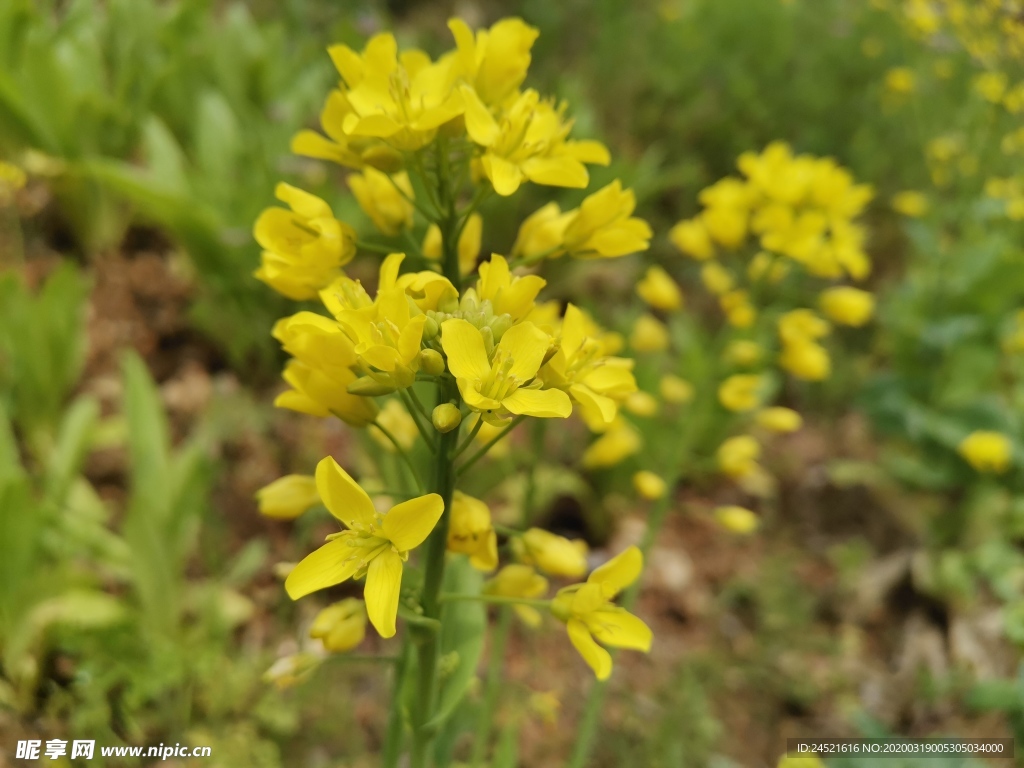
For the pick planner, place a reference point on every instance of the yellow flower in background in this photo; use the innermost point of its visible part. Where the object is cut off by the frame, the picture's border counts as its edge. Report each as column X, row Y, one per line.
column 743, row 353
column 900, row 81
column 385, row 199
column 470, row 240
column 303, row 248
column 802, row 325
column 779, row 419
column 500, row 387
column 726, row 225
column 471, row 533
column 341, row 626
column 604, row 225
column 649, row 335
column 847, row 306
column 542, row 233
column 12, row 178
column 736, row 519
column 738, row 456
column 494, row 62
column 764, row 266
column 717, row 278
column 739, row 312
column 659, row 290
column 551, row 553
column 528, row 142
column 642, row 404
column 674, row 389
column 987, row 451
column 338, row 147
column 590, row 616
column 649, row 485
column 991, row 86
column 806, row 360
column 374, row 544
column 618, row 442
column 910, row 203
column 741, row 392
column 509, row 294
column 396, row 420
column 288, row 497
column 545, row 704
column 517, row 580
column 597, row 382
column 692, row 238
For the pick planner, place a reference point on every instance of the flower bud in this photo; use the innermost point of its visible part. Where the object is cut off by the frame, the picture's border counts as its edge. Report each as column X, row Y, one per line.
column 659, row 290
column 288, row 497
column 847, row 306
column 446, row 417
column 551, row 553
column 649, row 485
column 737, row 519
column 778, row 419
column 431, row 362
column 367, row 386
column 674, row 389
column 642, row 404
column 341, row 626
column 987, row 451
column 430, row 328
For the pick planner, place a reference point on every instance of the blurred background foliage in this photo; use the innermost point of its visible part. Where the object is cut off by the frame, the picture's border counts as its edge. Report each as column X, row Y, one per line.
column 138, row 601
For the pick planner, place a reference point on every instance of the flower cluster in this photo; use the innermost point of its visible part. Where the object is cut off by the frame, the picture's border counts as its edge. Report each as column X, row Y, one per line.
column 415, row 132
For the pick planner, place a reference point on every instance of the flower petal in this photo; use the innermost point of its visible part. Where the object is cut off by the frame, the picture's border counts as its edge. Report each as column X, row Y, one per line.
column 342, row 495
column 383, row 587
column 505, row 176
column 527, row 344
column 464, row 346
column 597, row 657
column 542, row 403
column 619, row 628
column 619, row 572
column 334, row 562
column 408, row 524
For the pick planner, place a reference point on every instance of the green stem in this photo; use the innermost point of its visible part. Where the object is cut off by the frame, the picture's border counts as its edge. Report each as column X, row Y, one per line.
column 401, row 453
column 469, row 438
column 396, row 727
column 537, row 429
column 387, row 250
column 414, row 413
column 453, row 597
column 484, row 720
column 490, row 444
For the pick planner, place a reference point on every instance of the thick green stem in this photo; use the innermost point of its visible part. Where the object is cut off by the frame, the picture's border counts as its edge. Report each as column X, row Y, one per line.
column 485, row 720
column 396, row 730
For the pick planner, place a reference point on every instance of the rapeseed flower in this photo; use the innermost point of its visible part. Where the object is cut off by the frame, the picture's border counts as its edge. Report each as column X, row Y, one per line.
column 288, row 497
column 519, row 580
column 341, row 626
column 373, row 544
column 659, row 290
column 987, row 451
column 471, row 533
column 551, row 553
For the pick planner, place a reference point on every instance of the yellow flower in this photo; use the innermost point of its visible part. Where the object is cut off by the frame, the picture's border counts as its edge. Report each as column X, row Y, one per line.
column 739, row 312
column 304, row 248
column 528, row 142
column 743, row 353
column 987, row 451
column 604, row 226
column 674, row 389
column 396, row 420
column 597, row 382
column 288, row 497
column 649, row 485
column 693, row 239
column 779, row 419
column 590, row 616
column 523, row 581
column 12, row 178
column 991, row 86
column 717, row 278
column 659, row 290
column 642, row 404
column 649, row 334
column 374, row 544
column 494, row 62
column 551, row 553
column 471, row 533
column 341, row 626
column 542, row 233
column 726, row 225
column 910, row 203
column 737, row 519
column 470, row 240
column 338, row 147
column 900, row 80
column 399, row 99
column 499, row 387
column 619, row 442
column 741, row 392
column 806, row 360
column 509, row 294
column 847, row 306
column 381, row 198
column 802, row 325
column 738, row 456
column 321, row 373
